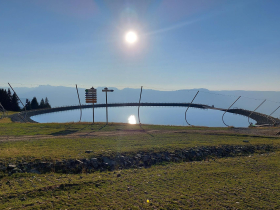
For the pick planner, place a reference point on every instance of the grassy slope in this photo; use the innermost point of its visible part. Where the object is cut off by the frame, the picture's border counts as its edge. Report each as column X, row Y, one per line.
column 62, row 148
column 230, row 183
column 234, row 183
column 19, row 129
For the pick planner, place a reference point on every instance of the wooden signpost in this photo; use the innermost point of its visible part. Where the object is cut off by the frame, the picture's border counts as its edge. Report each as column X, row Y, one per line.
column 106, row 90
column 91, row 97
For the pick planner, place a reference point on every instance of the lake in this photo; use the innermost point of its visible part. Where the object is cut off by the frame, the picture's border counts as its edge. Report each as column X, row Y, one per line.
column 149, row 115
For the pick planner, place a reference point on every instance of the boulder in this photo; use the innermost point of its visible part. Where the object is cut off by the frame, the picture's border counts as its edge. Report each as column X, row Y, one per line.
column 11, row 167
column 34, row 171
column 108, row 161
column 94, row 162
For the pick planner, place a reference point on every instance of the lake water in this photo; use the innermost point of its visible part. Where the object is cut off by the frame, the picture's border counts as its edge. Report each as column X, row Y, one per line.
column 149, row 115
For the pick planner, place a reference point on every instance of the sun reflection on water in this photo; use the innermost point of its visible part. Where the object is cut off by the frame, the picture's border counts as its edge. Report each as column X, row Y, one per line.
column 132, row 119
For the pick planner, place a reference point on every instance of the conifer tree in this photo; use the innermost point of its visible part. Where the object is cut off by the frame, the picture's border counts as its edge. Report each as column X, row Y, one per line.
column 42, row 104
column 47, row 105
column 27, row 104
column 9, row 101
column 34, row 103
column 14, row 103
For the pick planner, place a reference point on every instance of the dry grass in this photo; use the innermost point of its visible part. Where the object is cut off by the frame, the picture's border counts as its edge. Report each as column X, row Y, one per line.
column 5, row 120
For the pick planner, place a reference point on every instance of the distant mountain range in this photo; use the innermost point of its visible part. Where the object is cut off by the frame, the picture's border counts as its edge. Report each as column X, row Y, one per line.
column 62, row 96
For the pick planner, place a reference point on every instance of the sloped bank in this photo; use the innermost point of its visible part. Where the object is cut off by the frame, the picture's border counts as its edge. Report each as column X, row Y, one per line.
column 139, row 160
column 258, row 117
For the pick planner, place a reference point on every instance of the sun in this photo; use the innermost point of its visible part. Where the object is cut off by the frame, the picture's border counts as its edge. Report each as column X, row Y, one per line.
column 131, row 37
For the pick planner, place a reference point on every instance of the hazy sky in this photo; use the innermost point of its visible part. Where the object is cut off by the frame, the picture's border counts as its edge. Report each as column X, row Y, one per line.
column 213, row 44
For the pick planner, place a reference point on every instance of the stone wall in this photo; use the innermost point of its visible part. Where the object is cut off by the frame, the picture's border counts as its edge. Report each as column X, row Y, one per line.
column 139, row 160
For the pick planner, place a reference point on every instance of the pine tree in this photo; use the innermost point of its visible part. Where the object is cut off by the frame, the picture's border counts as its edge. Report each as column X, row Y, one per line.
column 42, row 104
column 6, row 99
column 9, row 100
column 27, row 105
column 34, row 103
column 9, row 93
column 14, row 103
column 3, row 98
column 47, row 105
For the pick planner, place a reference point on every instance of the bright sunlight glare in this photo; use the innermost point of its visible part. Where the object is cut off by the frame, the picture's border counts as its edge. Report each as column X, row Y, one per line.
column 132, row 119
column 131, row 37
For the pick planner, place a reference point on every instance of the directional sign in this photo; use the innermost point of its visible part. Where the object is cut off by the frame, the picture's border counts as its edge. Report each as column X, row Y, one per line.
column 90, row 90
column 107, row 90
column 90, row 99
column 91, row 96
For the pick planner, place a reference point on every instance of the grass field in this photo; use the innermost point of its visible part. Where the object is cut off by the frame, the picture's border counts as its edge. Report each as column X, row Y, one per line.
column 234, row 183
column 65, row 128
column 241, row 182
column 63, row 148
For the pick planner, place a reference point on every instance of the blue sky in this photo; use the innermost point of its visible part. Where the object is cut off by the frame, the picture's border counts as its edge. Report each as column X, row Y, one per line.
column 217, row 44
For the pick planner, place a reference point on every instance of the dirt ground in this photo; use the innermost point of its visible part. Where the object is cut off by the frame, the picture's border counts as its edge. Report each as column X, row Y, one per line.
column 262, row 131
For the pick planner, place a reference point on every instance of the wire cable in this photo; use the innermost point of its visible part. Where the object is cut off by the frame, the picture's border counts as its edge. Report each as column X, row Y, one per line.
column 139, row 106
column 79, row 103
column 189, row 107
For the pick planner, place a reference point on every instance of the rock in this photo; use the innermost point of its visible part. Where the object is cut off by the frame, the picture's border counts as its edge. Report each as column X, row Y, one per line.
column 94, row 163
column 85, row 161
column 122, row 159
column 107, row 161
column 23, row 199
column 16, row 170
column 93, row 160
column 34, row 171
column 246, row 141
column 78, row 162
column 146, row 158
column 43, row 164
column 58, row 163
column 88, row 151
column 128, row 163
column 118, row 175
column 138, row 156
column 11, row 167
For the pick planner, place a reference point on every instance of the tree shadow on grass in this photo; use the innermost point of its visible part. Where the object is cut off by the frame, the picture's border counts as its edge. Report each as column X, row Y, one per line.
column 146, row 131
column 103, row 126
column 64, row 132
